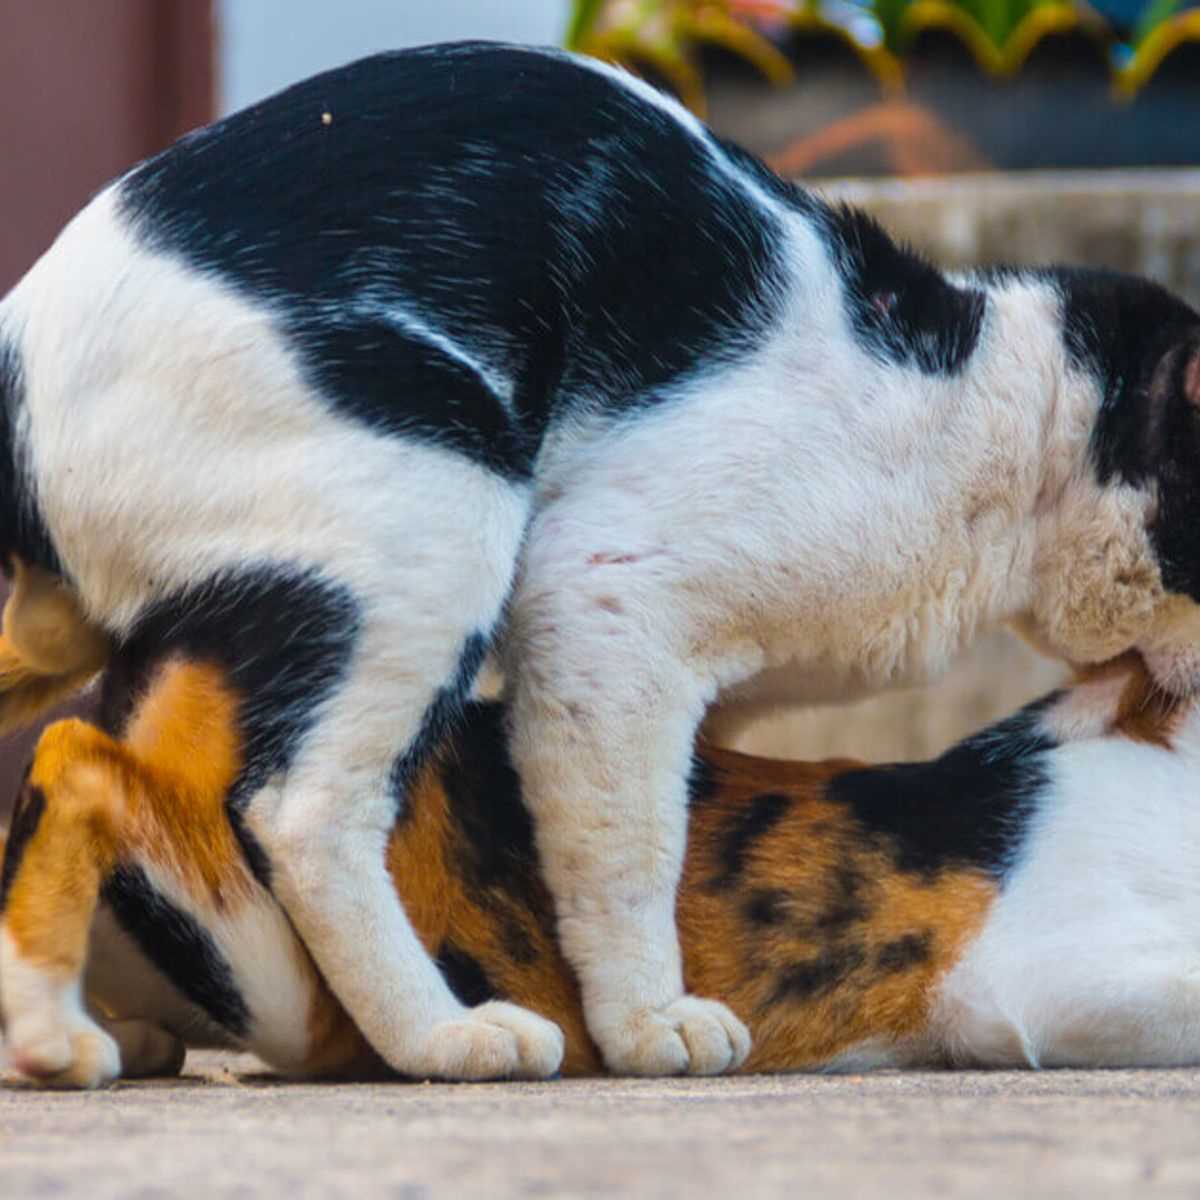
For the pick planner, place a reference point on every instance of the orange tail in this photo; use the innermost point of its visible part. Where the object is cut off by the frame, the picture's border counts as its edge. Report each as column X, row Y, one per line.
column 25, row 694
column 48, row 649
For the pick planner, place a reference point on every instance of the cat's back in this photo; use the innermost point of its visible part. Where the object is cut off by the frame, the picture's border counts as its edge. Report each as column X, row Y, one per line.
column 414, row 140
column 543, row 217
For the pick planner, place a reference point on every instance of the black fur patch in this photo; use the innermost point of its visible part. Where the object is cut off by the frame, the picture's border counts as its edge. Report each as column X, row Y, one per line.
column 703, row 782
column 252, row 849
column 745, row 828
column 1135, row 339
column 1175, row 530
column 464, row 976
column 811, row 978
column 492, row 846
column 284, row 636
column 766, row 907
column 178, row 946
column 844, row 902
column 969, row 808
column 903, row 309
column 440, row 718
column 31, row 804
column 572, row 241
column 910, row 950
column 22, row 530
column 358, row 362
column 495, row 854
column 518, row 944
column 1117, row 328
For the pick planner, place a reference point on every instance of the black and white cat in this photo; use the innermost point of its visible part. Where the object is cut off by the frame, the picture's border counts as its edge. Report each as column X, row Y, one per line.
column 478, row 338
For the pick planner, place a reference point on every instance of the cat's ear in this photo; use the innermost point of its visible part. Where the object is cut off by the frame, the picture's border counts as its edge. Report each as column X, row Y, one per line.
column 1191, row 375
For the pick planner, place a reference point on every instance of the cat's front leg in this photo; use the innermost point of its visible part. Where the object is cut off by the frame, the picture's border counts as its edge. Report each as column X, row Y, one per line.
column 606, row 698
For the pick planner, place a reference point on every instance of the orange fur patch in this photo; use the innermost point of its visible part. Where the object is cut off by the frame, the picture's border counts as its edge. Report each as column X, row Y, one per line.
column 184, row 753
column 422, row 858
column 821, row 943
column 53, row 894
column 160, row 794
column 1145, row 713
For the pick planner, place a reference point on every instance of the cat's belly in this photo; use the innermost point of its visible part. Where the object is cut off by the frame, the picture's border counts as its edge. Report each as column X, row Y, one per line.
column 804, row 681
column 793, row 685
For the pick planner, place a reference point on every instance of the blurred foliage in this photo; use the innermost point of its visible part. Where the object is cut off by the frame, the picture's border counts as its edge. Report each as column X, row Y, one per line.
column 664, row 35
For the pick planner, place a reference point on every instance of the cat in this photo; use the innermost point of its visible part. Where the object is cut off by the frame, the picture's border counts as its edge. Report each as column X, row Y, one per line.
column 482, row 346
column 1026, row 899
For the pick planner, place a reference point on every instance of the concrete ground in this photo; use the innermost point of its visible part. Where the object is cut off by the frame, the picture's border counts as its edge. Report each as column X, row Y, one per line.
column 226, row 1131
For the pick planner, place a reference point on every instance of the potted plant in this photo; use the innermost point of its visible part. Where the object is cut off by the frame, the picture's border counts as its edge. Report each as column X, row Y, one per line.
column 920, row 86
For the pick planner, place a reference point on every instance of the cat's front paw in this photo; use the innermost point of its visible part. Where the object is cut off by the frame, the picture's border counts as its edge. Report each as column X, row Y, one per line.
column 493, row 1041
column 80, row 1058
column 690, row 1036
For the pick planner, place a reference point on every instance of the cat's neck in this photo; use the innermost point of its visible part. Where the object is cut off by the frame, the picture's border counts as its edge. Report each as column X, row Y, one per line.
column 1085, row 573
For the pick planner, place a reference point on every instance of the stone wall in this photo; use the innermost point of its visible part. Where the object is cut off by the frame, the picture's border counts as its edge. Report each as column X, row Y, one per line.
column 1146, row 222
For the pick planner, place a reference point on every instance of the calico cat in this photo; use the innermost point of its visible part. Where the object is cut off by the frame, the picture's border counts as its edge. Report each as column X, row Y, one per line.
column 479, row 344
column 1027, row 899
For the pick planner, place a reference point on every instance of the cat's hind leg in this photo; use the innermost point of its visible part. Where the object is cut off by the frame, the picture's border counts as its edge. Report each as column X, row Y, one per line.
column 147, row 1050
column 75, row 820
column 424, row 608
column 62, row 843
column 131, row 916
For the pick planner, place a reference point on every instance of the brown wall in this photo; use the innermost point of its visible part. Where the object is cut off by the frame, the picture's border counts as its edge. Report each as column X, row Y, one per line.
column 87, row 88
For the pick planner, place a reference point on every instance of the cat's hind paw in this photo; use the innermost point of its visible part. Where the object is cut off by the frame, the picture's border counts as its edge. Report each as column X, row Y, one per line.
column 147, row 1050
column 82, row 1058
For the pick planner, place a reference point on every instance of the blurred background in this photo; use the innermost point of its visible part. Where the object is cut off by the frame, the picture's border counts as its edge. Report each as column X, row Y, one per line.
column 979, row 130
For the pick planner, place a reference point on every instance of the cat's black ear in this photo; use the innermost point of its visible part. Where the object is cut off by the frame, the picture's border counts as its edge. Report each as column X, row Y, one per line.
column 1191, row 375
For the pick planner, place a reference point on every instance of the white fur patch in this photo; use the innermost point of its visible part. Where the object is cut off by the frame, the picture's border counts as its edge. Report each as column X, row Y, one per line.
column 1091, row 954
column 48, row 1033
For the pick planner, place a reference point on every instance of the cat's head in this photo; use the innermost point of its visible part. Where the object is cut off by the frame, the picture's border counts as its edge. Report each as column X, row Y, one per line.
column 1123, row 570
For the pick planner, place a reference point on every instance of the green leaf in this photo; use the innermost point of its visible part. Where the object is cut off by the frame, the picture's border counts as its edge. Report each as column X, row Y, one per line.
column 890, row 15
column 1153, row 15
column 583, row 17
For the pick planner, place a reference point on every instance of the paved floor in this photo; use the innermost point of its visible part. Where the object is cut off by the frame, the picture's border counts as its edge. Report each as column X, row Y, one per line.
column 224, row 1131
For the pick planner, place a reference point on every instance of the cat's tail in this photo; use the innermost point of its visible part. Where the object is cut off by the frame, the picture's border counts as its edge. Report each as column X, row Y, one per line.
column 25, row 695
column 48, row 648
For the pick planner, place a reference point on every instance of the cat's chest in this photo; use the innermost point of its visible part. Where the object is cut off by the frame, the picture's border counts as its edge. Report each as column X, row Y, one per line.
column 889, row 624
